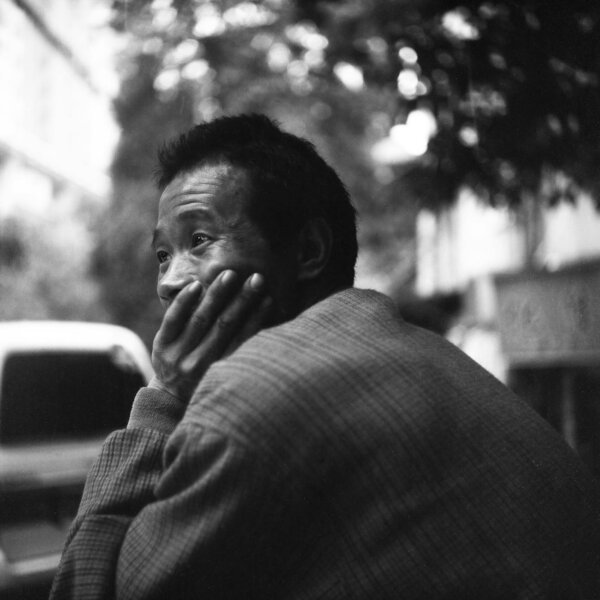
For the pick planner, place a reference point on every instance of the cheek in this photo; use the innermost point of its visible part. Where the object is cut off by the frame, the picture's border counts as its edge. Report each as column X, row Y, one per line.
column 214, row 261
column 244, row 257
column 208, row 264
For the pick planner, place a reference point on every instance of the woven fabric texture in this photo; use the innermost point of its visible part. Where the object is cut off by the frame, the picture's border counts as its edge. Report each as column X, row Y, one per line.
column 342, row 455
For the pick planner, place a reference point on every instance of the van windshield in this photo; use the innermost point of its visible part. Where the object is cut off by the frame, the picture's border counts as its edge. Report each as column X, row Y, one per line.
column 55, row 395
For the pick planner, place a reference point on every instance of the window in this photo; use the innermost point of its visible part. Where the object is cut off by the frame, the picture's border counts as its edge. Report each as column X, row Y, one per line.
column 50, row 396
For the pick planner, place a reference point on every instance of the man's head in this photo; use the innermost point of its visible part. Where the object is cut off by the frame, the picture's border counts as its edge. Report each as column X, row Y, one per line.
column 270, row 189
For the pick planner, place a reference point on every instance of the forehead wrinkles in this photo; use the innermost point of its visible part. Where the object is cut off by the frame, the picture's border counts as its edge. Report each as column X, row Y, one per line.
column 212, row 178
column 217, row 192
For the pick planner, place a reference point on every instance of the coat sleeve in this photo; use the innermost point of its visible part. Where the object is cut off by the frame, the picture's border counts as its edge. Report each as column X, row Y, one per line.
column 163, row 516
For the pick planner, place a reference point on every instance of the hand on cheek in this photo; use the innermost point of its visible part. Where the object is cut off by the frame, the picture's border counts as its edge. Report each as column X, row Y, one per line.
column 198, row 330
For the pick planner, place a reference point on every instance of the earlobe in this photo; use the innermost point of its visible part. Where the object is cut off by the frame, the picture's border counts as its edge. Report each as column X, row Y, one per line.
column 314, row 249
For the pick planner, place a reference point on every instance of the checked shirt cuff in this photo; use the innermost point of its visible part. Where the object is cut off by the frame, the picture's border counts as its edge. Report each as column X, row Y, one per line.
column 157, row 410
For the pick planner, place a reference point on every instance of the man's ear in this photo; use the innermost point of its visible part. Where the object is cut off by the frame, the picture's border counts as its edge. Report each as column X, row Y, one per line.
column 314, row 249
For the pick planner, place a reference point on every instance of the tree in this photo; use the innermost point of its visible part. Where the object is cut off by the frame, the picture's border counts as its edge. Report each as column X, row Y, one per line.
column 44, row 277
column 514, row 88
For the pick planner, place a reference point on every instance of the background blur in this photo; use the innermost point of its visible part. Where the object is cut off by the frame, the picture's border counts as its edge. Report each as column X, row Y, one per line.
column 467, row 132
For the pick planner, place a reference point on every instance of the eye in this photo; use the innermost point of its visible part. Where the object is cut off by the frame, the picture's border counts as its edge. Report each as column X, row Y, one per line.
column 199, row 238
column 162, row 256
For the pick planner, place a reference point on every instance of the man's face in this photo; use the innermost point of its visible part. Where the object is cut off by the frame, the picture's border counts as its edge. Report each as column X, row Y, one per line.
column 203, row 228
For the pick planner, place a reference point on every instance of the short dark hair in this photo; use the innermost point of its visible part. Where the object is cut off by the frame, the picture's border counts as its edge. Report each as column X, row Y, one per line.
column 292, row 184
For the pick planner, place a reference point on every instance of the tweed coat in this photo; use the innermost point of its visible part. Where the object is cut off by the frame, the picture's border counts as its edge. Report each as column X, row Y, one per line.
column 342, row 455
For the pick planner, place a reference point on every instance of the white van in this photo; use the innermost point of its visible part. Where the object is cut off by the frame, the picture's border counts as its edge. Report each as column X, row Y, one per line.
column 63, row 387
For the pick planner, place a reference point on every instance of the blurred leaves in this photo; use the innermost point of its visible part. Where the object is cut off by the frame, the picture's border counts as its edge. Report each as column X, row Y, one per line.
column 46, row 277
column 514, row 87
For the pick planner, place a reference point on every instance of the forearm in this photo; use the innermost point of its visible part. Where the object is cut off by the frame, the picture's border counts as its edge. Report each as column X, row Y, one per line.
column 177, row 521
column 119, row 485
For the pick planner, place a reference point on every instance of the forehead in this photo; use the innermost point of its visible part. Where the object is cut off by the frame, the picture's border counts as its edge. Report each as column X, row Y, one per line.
column 219, row 190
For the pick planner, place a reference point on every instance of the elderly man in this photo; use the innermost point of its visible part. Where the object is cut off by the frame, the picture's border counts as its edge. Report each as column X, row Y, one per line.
column 299, row 439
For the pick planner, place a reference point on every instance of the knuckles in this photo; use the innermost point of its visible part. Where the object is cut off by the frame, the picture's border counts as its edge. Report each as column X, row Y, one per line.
column 199, row 321
column 225, row 322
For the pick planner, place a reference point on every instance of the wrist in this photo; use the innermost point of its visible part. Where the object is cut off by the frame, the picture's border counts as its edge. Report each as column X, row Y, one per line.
column 157, row 384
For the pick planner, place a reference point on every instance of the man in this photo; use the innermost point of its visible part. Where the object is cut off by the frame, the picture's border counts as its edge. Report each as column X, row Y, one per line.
column 299, row 440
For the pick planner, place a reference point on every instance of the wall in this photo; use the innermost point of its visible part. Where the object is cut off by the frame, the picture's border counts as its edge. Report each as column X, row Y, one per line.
column 57, row 135
column 464, row 248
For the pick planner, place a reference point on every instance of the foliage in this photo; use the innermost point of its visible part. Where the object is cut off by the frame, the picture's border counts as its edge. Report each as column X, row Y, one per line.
column 44, row 277
column 514, row 87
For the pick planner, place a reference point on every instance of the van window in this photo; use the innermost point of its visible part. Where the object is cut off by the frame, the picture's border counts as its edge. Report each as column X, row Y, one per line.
column 50, row 396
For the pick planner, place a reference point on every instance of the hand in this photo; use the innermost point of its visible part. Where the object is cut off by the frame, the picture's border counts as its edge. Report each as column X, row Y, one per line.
column 196, row 332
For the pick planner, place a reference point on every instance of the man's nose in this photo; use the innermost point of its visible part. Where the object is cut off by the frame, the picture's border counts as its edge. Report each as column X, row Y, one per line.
column 177, row 276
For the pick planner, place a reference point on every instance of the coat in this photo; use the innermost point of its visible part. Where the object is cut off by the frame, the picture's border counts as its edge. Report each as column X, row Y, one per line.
column 342, row 455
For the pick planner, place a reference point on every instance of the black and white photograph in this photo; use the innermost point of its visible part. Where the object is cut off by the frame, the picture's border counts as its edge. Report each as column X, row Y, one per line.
column 299, row 300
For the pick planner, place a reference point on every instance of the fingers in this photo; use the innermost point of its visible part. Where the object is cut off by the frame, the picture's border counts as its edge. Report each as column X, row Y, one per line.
column 218, row 294
column 243, row 316
column 255, row 321
column 177, row 315
column 197, row 331
column 222, row 310
column 190, row 315
column 225, row 311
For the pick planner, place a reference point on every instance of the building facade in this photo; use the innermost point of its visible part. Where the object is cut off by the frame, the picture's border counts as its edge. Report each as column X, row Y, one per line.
column 530, row 283
column 57, row 135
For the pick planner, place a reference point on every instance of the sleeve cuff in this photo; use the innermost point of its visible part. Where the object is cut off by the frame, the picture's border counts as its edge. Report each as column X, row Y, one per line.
column 157, row 410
